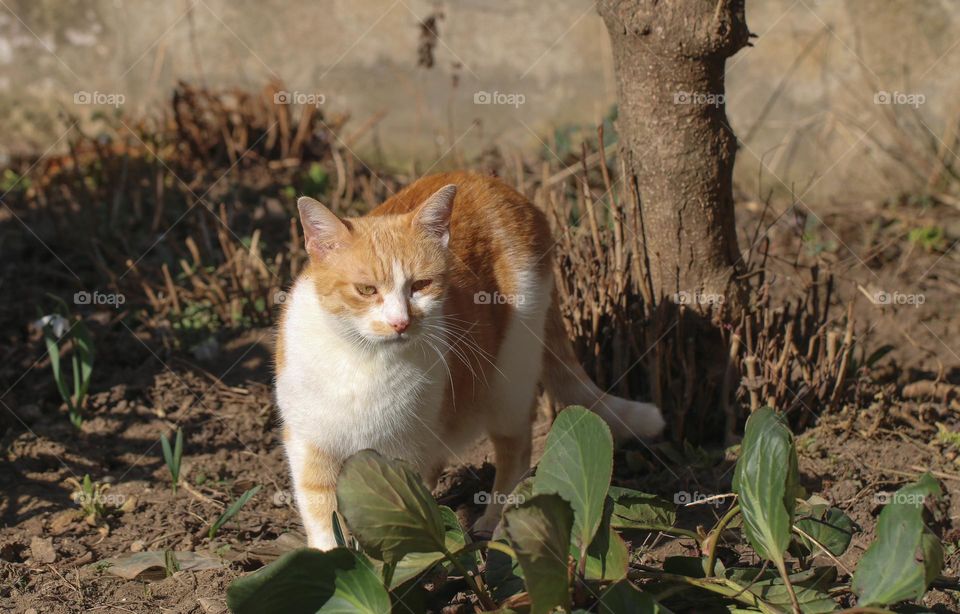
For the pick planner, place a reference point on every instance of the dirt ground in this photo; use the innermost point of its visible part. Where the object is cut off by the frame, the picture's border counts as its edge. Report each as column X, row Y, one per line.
column 52, row 561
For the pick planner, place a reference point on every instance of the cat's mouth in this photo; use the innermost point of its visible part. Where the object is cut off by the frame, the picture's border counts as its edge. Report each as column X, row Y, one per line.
column 394, row 339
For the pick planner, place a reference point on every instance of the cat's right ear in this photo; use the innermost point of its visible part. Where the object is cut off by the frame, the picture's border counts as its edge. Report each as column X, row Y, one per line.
column 323, row 231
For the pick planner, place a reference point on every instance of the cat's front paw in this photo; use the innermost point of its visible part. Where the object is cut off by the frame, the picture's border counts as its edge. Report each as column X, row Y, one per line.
column 322, row 540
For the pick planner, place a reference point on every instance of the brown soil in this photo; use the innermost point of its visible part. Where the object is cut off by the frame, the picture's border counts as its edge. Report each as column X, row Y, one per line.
column 231, row 444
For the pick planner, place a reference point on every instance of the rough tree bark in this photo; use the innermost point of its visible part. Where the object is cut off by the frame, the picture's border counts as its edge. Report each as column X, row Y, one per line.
column 679, row 151
column 675, row 139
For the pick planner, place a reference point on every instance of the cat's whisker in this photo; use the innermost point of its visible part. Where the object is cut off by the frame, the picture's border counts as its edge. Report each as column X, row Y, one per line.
column 467, row 342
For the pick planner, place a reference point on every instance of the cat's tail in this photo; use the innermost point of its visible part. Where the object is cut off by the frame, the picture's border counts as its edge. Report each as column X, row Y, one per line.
column 566, row 383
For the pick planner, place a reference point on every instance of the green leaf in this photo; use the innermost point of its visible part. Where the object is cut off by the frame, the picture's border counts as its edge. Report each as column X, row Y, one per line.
column 607, row 556
column 825, row 524
column 692, row 566
column 624, row 598
column 416, row 563
column 387, row 508
column 167, row 453
column 178, row 451
column 307, row 581
column 232, row 511
column 539, row 530
column 53, row 351
column 503, row 573
column 83, row 346
column 811, row 587
column 577, row 464
column 906, row 556
column 639, row 510
column 338, row 531
column 766, row 482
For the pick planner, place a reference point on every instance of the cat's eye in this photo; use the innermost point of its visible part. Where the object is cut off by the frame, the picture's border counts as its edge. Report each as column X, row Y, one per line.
column 420, row 284
column 366, row 290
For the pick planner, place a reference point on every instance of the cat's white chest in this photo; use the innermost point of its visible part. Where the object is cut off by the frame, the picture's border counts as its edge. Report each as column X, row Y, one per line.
column 343, row 399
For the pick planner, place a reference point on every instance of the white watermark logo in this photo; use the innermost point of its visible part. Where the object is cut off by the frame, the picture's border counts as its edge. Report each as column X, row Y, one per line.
column 304, row 98
column 110, row 499
column 498, row 298
column 697, row 298
column 497, row 498
column 898, row 298
column 911, row 99
column 683, row 497
column 99, row 298
column 100, row 98
column 884, row 498
column 699, row 98
column 282, row 498
column 513, row 99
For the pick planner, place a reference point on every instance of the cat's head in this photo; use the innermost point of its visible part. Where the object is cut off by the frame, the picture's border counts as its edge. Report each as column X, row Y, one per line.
column 382, row 277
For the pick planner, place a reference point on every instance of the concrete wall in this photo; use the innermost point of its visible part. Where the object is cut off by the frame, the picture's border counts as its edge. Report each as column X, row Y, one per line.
column 810, row 80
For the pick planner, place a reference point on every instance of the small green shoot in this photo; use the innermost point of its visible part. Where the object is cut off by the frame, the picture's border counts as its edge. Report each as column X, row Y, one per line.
column 232, row 511
column 172, row 457
column 89, row 495
column 930, row 238
column 170, row 563
column 57, row 331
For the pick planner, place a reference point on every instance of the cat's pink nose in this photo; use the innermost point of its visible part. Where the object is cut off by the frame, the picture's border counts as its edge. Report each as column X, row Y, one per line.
column 400, row 325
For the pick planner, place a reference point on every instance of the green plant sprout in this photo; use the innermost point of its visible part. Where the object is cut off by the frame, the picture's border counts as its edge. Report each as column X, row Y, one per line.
column 57, row 332
column 231, row 511
column 89, row 495
column 172, row 457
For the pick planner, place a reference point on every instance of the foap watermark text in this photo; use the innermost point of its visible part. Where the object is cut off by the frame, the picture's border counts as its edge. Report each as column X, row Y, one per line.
column 497, row 498
column 112, row 299
column 498, row 298
column 904, row 98
column 513, row 99
column 896, row 299
column 112, row 99
column 312, row 99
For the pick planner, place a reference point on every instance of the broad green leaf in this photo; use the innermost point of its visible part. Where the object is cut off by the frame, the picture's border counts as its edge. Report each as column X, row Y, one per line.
column 766, row 481
column 607, row 556
column 624, row 598
column 811, row 588
column 639, row 510
column 503, row 574
column 906, row 556
column 306, row 581
column 387, row 508
column 827, row 525
column 416, row 563
column 539, row 530
column 577, row 464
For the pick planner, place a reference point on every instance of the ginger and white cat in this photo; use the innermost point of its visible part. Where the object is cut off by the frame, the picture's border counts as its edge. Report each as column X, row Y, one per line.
column 420, row 327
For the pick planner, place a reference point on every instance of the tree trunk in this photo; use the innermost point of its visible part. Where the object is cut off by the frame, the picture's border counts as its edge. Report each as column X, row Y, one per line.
column 679, row 152
column 676, row 141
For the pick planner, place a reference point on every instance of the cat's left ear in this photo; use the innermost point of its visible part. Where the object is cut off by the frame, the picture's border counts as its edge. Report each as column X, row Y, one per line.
column 433, row 216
